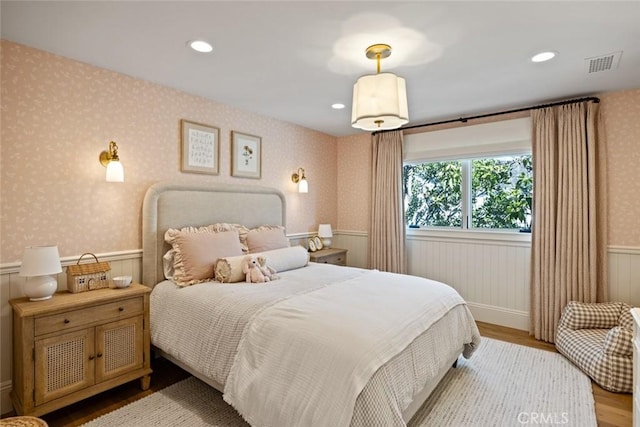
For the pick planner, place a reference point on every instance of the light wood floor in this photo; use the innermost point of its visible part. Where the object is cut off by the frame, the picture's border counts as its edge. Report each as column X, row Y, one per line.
column 612, row 409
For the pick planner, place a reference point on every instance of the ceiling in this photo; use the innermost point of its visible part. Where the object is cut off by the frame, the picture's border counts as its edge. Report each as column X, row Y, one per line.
column 292, row 60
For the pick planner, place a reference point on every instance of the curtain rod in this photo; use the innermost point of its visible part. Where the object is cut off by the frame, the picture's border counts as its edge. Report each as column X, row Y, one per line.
column 499, row 113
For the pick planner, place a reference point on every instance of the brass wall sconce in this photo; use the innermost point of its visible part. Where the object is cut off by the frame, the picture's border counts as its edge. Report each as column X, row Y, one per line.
column 299, row 178
column 110, row 160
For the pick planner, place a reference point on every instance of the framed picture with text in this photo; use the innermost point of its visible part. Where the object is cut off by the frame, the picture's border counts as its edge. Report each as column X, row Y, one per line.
column 246, row 155
column 200, row 148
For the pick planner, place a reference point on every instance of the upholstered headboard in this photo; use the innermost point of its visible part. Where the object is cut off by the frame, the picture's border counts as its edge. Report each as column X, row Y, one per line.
column 171, row 205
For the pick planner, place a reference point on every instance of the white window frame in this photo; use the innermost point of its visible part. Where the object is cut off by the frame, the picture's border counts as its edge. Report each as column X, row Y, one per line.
column 488, row 140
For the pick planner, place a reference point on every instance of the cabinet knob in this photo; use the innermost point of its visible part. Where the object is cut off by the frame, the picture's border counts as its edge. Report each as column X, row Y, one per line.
column 91, row 357
column 67, row 321
column 120, row 308
column 99, row 354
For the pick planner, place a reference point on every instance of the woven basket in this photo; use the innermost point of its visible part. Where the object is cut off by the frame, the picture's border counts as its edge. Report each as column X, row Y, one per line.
column 86, row 277
column 22, row 422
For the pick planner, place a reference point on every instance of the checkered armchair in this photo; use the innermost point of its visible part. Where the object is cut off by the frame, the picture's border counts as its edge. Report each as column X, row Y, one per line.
column 597, row 337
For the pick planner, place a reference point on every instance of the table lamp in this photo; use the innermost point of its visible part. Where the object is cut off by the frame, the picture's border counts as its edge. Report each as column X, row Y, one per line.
column 324, row 232
column 38, row 265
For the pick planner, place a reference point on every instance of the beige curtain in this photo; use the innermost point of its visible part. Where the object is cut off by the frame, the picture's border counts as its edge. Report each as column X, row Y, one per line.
column 387, row 236
column 568, row 242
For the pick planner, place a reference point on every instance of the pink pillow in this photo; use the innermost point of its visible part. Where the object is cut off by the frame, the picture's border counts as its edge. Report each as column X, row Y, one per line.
column 196, row 253
column 267, row 238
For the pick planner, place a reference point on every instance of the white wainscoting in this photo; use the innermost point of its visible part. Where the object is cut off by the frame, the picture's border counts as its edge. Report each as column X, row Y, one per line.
column 492, row 274
column 624, row 274
column 357, row 244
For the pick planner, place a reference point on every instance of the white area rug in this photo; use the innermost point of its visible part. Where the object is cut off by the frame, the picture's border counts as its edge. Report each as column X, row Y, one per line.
column 502, row 384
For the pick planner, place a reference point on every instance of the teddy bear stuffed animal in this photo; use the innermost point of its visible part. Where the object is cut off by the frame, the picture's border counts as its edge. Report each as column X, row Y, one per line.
column 251, row 269
column 267, row 270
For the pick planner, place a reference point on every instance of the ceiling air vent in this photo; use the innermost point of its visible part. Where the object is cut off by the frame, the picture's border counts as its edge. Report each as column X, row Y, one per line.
column 606, row 62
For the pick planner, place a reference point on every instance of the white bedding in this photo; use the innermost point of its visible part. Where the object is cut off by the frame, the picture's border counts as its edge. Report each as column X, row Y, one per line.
column 304, row 361
column 202, row 325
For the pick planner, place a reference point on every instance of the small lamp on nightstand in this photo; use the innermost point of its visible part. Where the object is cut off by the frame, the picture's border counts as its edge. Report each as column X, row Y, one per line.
column 324, row 232
column 38, row 264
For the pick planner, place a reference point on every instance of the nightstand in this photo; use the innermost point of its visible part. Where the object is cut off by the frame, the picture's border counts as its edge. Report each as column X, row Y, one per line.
column 334, row 256
column 76, row 345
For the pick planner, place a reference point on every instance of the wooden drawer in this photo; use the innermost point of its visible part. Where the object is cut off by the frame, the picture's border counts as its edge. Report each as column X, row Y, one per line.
column 337, row 259
column 85, row 316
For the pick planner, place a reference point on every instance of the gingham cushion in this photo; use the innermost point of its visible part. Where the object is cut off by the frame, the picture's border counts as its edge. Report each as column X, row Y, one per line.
column 619, row 342
column 626, row 319
column 605, row 354
column 580, row 315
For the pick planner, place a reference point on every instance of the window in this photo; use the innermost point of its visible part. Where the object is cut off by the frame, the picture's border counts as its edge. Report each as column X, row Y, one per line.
column 474, row 177
column 433, row 194
column 488, row 193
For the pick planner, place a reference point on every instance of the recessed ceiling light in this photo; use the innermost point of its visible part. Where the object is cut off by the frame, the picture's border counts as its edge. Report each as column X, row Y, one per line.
column 200, row 46
column 543, row 56
column 337, row 106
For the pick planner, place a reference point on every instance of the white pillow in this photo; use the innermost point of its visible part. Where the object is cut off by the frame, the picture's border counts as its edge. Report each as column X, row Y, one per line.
column 167, row 264
column 229, row 269
column 287, row 258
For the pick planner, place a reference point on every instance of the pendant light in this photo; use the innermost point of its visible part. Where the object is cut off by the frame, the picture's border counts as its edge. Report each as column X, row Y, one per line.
column 379, row 100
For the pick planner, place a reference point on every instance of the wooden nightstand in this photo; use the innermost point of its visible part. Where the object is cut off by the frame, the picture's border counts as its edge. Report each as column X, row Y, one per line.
column 335, row 256
column 77, row 345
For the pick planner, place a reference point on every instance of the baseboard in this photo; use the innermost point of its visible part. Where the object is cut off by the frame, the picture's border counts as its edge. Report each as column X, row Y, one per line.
column 500, row 316
column 5, row 400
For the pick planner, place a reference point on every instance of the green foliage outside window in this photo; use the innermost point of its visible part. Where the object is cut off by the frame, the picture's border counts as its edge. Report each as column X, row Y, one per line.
column 433, row 195
column 501, row 193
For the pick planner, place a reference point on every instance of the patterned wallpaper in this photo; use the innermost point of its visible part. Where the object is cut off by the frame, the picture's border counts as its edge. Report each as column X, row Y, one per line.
column 620, row 112
column 59, row 114
column 621, row 116
column 354, row 182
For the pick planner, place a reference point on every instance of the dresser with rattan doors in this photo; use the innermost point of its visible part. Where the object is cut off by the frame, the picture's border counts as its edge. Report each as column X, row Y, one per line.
column 76, row 345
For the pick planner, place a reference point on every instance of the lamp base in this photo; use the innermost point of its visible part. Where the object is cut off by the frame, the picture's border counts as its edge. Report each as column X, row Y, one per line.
column 40, row 288
column 326, row 242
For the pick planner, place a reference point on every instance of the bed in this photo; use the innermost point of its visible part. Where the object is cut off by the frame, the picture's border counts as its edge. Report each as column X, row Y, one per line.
column 239, row 339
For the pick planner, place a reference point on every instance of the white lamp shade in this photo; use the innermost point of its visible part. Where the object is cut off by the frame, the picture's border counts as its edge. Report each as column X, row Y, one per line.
column 324, row 230
column 115, row 171
column 325, row 233
column 303, row 186
column 379, row 102
column 40, row 261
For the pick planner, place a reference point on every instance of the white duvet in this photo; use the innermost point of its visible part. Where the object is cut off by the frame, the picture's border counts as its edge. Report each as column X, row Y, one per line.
column 210, row 329
column 304, row 361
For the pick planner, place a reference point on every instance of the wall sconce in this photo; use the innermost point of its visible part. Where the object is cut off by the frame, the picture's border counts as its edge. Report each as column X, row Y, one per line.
column 39, row 263
column 110, row 160
column 301, row 180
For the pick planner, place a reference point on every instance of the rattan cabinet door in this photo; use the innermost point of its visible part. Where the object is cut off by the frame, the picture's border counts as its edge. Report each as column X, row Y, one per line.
column 119, row 348
column 64, row 364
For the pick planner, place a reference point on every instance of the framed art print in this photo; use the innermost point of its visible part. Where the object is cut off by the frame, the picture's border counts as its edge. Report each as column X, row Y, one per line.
column 200, row 148
column 246, row 155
